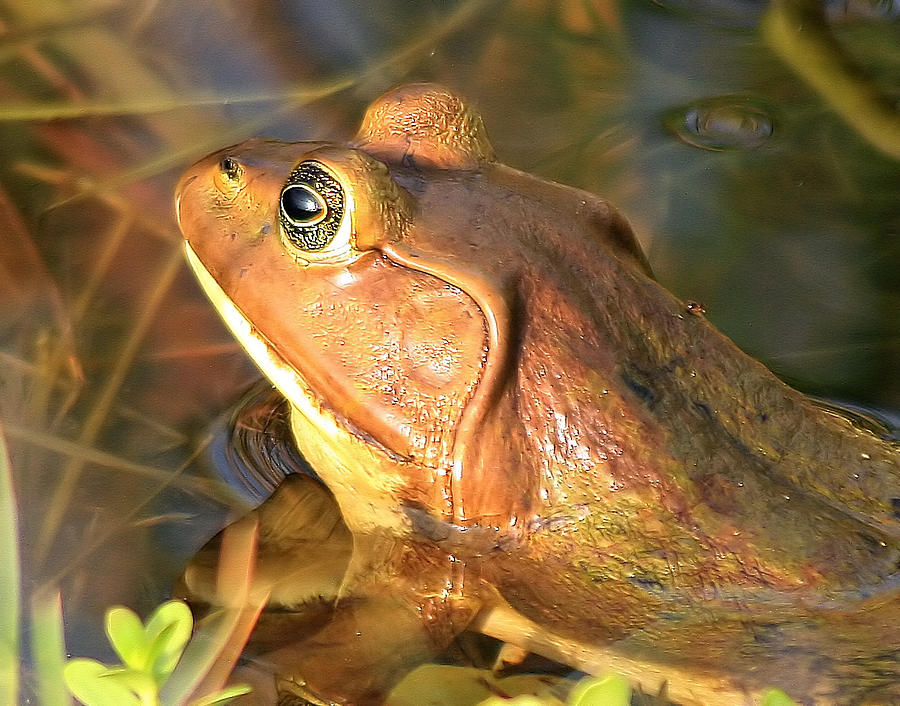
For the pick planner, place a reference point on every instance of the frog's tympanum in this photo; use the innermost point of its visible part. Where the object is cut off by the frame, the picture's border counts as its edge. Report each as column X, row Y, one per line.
column 525, row 434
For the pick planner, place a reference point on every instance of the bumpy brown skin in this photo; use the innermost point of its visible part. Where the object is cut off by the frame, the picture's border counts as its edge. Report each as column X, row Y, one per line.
column 623, row 474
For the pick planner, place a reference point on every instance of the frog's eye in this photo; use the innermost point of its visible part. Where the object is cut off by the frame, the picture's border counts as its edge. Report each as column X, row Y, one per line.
column 312, row 213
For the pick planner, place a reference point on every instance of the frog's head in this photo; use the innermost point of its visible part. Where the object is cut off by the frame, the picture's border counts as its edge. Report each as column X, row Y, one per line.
column 303, row 248
column 387, row 288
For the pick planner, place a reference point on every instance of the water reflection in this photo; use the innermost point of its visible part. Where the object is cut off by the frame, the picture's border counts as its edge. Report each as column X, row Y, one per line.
column 247, row 450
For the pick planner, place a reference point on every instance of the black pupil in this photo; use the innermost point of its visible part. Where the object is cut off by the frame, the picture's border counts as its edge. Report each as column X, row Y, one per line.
column 300, row 204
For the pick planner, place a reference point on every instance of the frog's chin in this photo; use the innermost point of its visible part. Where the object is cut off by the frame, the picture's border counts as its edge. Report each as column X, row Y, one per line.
column 364, row 480
column 286, row 379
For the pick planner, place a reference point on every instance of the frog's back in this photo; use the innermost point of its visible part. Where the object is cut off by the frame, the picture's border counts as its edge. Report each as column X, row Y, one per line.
column 589, row 310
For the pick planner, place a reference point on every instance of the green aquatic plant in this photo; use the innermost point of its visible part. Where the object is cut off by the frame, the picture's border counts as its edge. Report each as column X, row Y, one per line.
column 150, row 653
column 161, row 662
column 776, row 697
column 610, row 690
column 9, row 582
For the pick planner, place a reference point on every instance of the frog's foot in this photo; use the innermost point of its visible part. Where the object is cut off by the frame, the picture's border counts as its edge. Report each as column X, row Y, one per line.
column 364, row 647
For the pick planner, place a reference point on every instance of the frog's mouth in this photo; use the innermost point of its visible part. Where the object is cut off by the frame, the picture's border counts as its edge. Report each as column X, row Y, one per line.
column 286, row 379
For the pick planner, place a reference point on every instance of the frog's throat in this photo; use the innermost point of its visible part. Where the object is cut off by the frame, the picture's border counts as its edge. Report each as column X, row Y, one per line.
column 351, row 469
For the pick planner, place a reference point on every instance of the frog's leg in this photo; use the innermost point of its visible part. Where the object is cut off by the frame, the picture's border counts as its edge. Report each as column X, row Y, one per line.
column 302, row 549
column 397, row 607
column 348, row 616
column 504, row 623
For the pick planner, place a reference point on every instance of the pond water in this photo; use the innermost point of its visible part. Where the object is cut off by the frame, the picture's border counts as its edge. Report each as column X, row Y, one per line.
column 755, row 191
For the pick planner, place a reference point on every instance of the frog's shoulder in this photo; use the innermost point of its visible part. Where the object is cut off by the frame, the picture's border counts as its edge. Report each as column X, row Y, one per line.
column 579, row 224
column 616, row 233
column 424, row 125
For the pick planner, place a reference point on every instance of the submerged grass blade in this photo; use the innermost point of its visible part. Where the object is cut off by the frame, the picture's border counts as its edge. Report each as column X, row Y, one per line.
column 220, row 638
column 48, row 649
column 67, row 110
column 799, row 33
column 9, row 582
column 97, row 417
column 91, row 455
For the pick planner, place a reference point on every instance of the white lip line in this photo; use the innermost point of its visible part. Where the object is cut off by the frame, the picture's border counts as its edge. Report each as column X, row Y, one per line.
column 286, row 379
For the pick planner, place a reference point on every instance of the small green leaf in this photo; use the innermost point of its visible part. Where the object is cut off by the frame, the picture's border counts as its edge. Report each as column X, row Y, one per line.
column 126, row 634
column 168, row 631
column 136, row 680
column 776, row 697
column 611, row 690
column 172, row 613
column 90, row 682
column 161, row 660
column 223, row 696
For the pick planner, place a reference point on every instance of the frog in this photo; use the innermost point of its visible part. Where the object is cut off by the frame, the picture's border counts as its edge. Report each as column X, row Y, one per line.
column 521, row 432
